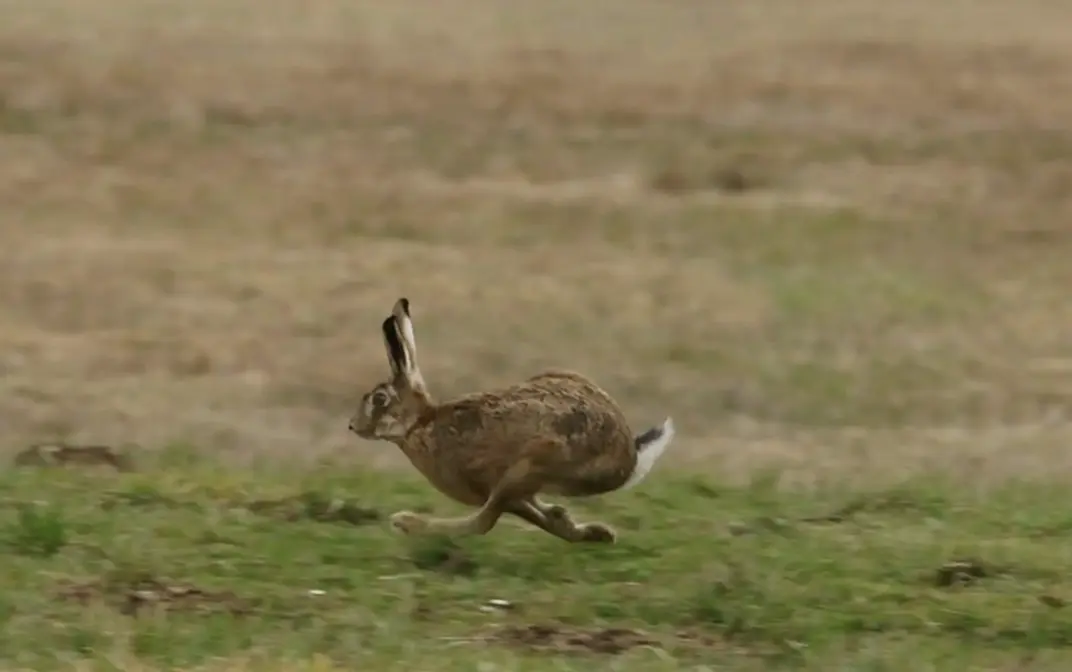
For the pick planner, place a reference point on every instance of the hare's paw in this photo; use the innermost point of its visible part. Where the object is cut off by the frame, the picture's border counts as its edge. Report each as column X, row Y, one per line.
column 597, row 533
column 408, row 522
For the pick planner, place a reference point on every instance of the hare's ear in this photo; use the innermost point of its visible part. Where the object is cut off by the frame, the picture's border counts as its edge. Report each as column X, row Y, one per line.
column 404, row 324
column 396, row 353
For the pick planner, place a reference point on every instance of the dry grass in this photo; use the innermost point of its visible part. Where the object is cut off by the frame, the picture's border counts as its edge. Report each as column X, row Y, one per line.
column 834, row 240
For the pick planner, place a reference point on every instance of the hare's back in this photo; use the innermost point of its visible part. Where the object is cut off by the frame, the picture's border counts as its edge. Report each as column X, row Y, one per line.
column 560, row 404
column 553, row 404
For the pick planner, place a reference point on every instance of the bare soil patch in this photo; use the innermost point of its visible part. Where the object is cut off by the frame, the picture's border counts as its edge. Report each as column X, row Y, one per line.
column 133, row 596
column 558, row 638
column 59, row 454
column 312, row 506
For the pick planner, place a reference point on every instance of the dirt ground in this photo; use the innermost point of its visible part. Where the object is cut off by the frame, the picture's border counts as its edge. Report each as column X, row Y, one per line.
column 834, row 239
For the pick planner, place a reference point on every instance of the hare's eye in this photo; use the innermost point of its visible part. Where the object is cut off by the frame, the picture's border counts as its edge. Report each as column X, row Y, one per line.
column 379, row 398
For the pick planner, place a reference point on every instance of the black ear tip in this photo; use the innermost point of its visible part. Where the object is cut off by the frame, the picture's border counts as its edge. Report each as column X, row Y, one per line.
column 405, row 305
column 394, row 345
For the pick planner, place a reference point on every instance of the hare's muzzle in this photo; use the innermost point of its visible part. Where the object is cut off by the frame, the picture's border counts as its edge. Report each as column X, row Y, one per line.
column 362, row 428
column 355, row 426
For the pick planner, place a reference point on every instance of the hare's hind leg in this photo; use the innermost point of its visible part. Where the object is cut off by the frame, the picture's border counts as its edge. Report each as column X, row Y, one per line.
column 554, row 519
column 557, row 523
column 595, row 532
column 517, row 483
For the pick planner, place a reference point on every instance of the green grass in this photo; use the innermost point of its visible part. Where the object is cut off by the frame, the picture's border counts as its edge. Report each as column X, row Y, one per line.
column 264, row 565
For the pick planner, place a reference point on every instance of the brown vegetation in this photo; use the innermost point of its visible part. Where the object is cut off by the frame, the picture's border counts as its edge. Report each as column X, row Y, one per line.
column 835, row 238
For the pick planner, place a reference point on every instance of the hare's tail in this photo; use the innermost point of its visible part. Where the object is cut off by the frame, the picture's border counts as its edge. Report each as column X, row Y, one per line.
column 650, row 445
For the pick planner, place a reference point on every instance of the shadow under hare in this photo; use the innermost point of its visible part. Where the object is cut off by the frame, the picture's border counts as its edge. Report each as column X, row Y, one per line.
column 556, row 433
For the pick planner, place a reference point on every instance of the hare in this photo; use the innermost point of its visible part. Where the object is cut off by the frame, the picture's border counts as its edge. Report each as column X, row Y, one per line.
column 556, row 433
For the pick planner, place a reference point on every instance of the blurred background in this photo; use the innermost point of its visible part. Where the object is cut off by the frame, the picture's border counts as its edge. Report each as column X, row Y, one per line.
column 831, row 236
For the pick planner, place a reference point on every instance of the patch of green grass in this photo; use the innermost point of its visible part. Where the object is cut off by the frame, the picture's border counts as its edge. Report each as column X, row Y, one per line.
column 190, row 565
column 37, row 530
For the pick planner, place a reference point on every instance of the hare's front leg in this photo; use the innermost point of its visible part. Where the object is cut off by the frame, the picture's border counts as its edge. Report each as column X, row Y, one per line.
column 514, row 485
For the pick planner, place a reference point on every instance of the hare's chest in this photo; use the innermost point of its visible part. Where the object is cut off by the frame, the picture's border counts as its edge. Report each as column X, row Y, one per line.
column 451, row 479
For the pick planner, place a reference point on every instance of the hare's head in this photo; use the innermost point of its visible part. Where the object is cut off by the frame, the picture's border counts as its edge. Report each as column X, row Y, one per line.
column 390, row 409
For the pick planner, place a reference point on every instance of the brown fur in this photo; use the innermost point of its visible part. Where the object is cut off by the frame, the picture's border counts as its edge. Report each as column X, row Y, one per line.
column 557, row 432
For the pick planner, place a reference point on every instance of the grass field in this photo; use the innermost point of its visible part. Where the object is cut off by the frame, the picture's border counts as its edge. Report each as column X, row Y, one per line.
column 834, row 244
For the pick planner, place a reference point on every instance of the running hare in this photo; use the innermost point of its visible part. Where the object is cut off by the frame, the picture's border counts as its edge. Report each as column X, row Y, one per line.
column 556, row 433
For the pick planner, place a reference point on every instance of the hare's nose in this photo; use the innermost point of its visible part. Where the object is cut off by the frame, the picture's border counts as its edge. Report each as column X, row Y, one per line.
column 353, row 426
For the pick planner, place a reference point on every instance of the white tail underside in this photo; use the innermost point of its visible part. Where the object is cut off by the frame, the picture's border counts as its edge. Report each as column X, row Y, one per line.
column 650, row 446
